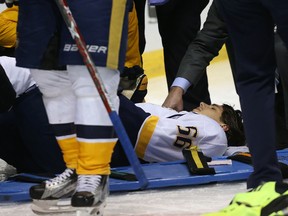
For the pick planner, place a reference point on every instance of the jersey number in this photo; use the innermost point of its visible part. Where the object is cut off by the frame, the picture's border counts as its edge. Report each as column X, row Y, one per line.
column 184, row 137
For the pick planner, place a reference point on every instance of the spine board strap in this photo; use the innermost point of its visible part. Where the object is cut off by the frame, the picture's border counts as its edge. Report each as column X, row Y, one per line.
column 197, row 162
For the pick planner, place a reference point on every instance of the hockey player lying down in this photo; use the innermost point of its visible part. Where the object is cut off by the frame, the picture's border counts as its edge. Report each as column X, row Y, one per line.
column 159, row 134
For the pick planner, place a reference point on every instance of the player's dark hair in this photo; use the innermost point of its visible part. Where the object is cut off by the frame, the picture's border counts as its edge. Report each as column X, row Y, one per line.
column 233, row 118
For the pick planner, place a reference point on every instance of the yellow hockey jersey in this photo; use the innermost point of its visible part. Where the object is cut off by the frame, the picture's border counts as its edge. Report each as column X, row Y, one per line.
column 8, row 24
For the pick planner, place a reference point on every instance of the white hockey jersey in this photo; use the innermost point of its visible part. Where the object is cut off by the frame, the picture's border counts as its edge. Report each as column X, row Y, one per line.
column 166, row 132
column 20, row 78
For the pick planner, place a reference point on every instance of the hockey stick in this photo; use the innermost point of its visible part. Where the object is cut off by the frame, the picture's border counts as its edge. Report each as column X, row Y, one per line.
column 118, row 126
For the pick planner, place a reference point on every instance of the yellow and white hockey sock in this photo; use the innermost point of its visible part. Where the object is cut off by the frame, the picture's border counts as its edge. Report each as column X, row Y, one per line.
column 95, row 157
column 70, row 147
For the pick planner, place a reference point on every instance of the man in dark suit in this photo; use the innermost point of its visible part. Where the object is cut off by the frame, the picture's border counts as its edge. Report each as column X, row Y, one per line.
column 250, row 26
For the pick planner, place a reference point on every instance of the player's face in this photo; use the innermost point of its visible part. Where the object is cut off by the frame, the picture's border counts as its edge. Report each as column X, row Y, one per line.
column 213, row 111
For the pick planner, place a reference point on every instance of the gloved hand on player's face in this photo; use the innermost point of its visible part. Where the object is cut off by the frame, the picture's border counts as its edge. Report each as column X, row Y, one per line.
column 9, row 3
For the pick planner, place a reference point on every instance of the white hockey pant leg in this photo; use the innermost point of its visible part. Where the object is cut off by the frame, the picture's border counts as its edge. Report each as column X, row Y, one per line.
column 90, row 109
column 57, row 93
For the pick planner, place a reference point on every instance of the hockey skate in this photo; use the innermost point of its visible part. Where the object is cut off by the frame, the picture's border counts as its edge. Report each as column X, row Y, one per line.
column 54, row 195
column 61, row 186
column 63, row 207
column 91, row 194
column 6, row 170
column 89, row 199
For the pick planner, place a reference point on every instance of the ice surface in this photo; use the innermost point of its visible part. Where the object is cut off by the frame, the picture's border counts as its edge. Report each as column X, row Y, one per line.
column 182, row 201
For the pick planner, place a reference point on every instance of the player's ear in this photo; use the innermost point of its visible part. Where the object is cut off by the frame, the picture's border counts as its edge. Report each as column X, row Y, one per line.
column 225, row 127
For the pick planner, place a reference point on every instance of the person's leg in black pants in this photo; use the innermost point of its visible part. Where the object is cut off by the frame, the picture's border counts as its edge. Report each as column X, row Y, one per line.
column 132, row 118
column 140, row 10
column 251, row 29
column 12, row 150
column 37, row 136
column 178, row 23
column 282, row 68
column 281, row 129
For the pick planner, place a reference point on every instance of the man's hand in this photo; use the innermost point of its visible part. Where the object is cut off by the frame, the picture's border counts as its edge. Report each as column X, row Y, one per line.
column 9, row 3
column 174, row 99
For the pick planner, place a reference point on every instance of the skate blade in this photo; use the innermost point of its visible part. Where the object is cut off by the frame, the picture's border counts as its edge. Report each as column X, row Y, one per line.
column 63, row 207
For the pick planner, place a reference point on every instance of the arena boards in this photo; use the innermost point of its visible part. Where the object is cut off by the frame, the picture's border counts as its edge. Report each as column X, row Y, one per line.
column 159, row 175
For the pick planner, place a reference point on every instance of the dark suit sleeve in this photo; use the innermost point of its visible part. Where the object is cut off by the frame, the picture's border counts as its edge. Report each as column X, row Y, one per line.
column 204, row 47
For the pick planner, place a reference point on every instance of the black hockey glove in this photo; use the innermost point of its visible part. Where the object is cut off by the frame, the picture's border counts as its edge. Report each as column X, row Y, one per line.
column 9, row 3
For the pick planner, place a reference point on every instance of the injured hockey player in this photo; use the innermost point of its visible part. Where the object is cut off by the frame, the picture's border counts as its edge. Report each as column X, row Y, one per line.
column 160, row 134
